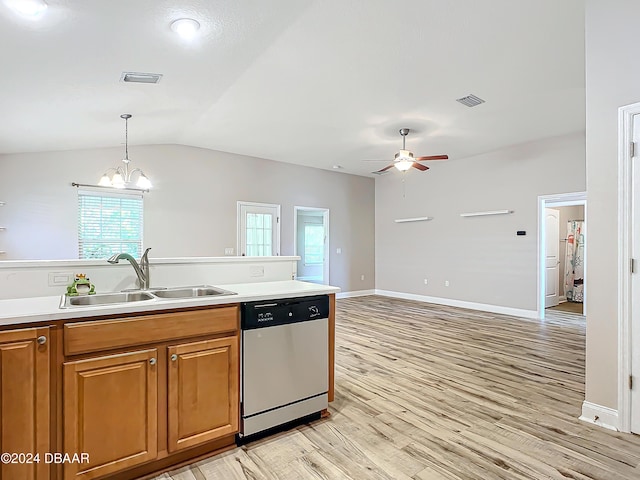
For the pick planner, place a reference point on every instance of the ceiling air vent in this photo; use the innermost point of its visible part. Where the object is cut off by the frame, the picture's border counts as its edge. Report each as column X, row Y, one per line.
column 136, row 77
column 470, row 100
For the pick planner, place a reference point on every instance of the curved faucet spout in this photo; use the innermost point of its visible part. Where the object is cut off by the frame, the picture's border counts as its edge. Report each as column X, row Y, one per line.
column 142, row 269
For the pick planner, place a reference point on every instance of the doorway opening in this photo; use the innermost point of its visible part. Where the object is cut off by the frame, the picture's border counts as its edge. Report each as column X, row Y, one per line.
column 562, row 252
column 311, row 243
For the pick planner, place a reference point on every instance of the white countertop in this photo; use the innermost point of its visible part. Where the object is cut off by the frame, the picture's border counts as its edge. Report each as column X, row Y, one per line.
column 15, row 312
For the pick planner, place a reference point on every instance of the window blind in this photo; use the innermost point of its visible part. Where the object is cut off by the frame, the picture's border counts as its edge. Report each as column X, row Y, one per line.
column 109, row 223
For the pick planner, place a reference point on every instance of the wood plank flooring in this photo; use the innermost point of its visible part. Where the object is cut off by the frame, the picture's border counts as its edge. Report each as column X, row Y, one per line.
column 433, row 392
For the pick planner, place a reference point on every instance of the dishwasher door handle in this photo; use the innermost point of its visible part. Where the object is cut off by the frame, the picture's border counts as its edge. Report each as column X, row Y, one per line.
column 265, row 305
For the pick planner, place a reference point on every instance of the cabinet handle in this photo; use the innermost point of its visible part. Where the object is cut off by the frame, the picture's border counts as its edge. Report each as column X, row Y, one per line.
column 174, row 357
column 152, row 361
column 42, row 340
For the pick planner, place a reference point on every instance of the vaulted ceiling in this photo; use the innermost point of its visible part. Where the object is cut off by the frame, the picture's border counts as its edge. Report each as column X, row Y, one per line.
column 313, row 82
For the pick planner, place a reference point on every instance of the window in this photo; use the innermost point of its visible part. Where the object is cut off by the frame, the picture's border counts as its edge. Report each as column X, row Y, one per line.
column 109, row 223
column 313, row 244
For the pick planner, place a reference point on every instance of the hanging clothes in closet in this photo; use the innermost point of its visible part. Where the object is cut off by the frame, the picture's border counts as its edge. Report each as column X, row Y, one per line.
column 574, row 262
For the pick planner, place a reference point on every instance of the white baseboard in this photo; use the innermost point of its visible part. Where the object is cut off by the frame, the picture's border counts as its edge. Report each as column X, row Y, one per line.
column 357, row 293
column 485, row 307
column 598, row 415
column 562, row 299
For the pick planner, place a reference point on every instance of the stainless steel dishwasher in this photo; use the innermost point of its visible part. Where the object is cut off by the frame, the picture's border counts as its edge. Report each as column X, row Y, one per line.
column 284, row 362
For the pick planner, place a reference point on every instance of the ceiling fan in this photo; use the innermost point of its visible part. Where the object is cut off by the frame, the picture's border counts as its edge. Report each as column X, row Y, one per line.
column 404, row 159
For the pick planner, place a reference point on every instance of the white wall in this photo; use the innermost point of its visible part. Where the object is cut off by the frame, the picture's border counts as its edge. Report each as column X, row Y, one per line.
column 191, row 210
column 613, row 80
column 481, row 257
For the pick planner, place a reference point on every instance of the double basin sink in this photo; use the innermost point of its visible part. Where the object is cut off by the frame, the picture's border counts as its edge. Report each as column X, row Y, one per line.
column 142, row 295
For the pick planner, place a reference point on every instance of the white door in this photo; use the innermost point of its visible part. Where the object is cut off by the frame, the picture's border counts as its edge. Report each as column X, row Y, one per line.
column 635, row 281
column 552, row 274
column 258, row 229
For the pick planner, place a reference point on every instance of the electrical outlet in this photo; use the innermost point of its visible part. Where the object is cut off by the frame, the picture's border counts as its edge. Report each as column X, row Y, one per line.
column 338, row 251
column 60, row 278
column 228, row 251
column 426, row 281
column 446, row 283
column 256, row 271
column 361, row 277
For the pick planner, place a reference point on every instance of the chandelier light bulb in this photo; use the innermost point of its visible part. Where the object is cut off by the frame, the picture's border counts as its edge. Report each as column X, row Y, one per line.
column 143, row 182
column 117, row 180
column 105, row 181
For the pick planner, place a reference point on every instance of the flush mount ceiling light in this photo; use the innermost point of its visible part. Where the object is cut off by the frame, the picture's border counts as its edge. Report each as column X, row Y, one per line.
column 185, row 27
column 28, row 8
column 121, row 177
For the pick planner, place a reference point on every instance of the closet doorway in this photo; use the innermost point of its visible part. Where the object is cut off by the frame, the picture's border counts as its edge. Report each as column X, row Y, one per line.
column 562, row 286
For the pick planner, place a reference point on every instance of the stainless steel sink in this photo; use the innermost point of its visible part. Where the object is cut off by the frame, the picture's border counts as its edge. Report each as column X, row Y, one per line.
column 104, row 299
column 143, row 295
column 191, row 292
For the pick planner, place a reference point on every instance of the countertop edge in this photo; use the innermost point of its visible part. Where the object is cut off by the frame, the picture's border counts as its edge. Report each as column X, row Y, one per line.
column 16, row 312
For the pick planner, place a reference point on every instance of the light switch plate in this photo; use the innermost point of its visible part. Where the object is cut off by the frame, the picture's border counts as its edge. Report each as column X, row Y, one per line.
column 60, row 278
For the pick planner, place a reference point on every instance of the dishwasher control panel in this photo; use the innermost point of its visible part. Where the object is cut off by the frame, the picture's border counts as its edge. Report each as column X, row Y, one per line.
column 284, row 311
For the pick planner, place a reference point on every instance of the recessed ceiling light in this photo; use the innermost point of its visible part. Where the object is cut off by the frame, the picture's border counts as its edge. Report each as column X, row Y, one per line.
column 185, row 27
column 28, row 8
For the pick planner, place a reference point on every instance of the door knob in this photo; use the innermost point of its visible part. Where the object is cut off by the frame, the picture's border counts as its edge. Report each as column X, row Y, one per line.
column 152, row 361
column 42, row 340
column 174, row 357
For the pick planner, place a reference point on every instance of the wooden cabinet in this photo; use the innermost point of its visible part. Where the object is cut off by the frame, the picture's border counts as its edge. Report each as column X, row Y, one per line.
column 202, row 392
column 141, row 389
column 110, row 412
column 24, row 401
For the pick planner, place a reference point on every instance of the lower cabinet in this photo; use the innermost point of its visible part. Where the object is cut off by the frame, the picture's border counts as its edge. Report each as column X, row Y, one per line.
column 203, row 389
column 174, row 387
column 110, row 412
column 24, row 403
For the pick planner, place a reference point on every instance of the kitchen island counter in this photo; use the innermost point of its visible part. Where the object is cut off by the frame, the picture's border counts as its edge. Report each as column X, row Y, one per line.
column 32, row 311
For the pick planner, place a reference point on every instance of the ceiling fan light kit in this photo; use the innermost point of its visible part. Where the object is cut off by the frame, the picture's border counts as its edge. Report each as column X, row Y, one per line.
column 404, row 159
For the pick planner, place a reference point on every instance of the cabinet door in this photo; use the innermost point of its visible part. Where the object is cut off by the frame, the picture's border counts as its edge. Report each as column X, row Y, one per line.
column 110, row 412
column 24, row 401
column 203, row 391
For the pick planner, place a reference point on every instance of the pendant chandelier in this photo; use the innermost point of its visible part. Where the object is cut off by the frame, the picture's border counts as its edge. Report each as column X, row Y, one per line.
column 122, row 175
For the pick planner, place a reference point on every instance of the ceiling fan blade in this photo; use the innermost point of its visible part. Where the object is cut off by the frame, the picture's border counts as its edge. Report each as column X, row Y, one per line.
column 419, row 166
column 432, row 157
column 385, row 168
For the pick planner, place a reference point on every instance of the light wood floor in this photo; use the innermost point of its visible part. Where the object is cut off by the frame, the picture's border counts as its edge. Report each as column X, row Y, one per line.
column 433, row 392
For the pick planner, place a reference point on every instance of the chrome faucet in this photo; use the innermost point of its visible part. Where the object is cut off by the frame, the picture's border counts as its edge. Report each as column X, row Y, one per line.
column 141, row 269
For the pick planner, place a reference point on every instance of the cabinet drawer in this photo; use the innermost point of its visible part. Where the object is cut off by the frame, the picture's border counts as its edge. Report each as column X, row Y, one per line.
column 88, row 336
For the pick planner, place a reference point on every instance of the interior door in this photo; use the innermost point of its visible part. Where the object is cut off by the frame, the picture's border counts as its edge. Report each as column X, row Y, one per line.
column 258, row 229
column 635, row 282
column 552, row 261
